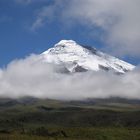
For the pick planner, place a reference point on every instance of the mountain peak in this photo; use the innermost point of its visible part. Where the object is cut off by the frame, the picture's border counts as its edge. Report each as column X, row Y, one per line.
column 68, row 46
column 73, row 55
column 73, row 44
column 65, row 43
column 65, row 47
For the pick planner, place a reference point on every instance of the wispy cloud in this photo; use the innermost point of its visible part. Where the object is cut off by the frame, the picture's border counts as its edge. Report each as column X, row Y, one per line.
column 28, row 2
column 51, row 12
column 119, row 20
column 31, row 77
column 43, row 14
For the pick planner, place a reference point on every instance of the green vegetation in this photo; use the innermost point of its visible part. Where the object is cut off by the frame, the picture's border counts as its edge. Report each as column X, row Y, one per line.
column 32, row 119
column 79, row 133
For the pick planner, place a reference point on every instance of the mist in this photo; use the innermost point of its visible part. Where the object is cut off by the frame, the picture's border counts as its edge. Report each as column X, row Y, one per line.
column 117, row 19
column 32, row 77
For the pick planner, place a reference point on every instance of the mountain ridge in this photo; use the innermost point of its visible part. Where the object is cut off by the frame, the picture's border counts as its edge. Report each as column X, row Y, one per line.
column 79, row 58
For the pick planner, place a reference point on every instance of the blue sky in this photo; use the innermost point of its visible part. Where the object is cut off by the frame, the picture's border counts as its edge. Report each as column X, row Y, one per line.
column 25, row 28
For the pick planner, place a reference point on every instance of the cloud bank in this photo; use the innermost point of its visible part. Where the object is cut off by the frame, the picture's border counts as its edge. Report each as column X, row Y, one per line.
column 32, row 77
column 118, row 20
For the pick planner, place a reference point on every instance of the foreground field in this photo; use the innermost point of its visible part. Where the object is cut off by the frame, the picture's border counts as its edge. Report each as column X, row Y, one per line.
column 104, row 133
column 31, row 119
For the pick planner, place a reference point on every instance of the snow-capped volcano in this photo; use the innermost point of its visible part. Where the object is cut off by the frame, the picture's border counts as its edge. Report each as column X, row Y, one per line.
column 76, row 57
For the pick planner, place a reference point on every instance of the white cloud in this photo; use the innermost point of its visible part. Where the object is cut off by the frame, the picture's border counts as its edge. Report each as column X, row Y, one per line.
column 30, row 77
column 42, row 15
column 118, row 19
column 47, row 14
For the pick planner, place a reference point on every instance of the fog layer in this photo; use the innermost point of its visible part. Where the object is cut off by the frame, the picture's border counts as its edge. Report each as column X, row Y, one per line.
column 31, row 77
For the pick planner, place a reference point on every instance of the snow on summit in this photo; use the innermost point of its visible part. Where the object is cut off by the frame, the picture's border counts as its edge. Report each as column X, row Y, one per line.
column 77, row 58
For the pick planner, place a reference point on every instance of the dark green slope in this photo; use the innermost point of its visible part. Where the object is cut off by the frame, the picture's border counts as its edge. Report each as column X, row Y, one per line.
column 31, row 118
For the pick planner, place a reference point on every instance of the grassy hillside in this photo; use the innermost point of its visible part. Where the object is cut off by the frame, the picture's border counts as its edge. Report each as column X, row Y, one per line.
column 31, row 118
